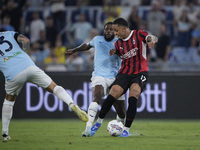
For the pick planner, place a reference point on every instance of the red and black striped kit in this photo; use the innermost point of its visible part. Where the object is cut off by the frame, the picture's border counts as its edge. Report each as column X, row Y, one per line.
column 133, row 52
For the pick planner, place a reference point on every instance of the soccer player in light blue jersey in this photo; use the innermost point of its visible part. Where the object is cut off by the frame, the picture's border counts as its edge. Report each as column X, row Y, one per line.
column 18, row 68
column 105, row 70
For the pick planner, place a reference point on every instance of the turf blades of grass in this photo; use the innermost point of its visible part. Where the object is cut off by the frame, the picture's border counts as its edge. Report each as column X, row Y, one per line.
column 66, row 134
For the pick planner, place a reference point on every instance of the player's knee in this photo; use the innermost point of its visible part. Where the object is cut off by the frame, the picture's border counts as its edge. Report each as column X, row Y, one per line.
column 135, row 92
column 11, row 98
column 97, row 97
column 116, row 92
column 51, row 87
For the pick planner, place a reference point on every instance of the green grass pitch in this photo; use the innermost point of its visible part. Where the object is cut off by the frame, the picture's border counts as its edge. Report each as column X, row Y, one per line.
column 60, row 134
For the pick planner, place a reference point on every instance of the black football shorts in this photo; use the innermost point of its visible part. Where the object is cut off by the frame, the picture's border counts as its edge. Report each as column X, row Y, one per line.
column 125, row 81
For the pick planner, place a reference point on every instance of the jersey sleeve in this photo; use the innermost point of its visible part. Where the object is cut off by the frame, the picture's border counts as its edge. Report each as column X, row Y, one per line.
column 142, row 35
column 16, row 35
column 92, row 42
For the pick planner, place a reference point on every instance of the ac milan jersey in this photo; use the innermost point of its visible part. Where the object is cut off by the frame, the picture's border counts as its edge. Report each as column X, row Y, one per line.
column 133, row 52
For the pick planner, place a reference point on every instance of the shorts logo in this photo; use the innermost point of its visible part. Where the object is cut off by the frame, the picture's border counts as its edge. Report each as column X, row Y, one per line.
column 143, row 78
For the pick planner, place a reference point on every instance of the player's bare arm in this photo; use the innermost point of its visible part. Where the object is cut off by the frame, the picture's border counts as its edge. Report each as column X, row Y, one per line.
column 82, row 47
column 25, row 42
column 112, row 52
column 151, row 40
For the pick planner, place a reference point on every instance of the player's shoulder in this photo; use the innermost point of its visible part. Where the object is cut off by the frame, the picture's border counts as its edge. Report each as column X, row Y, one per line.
column 115, row 39
column 143, row 31
column 7, row 32
column 98, row 37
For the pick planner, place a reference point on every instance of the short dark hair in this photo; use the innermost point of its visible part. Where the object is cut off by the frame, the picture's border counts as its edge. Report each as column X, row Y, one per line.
column 121, row 22
column 107, row 24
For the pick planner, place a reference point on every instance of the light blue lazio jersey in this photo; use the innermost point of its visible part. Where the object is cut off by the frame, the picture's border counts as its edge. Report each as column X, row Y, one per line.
column 104, row 65
column 13, row 59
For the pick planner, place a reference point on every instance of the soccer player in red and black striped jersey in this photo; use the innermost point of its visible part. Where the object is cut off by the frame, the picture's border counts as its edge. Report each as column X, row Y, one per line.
column 131, row 47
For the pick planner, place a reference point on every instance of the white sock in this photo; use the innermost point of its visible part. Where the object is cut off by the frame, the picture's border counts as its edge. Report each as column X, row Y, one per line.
column 126, row 128
column 99, row 120
column 92, row 112
column 7, row 112
column 62, row 94
column 120, row 119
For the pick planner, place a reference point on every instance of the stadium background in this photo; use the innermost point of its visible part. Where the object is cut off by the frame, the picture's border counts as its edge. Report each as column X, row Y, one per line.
column 172, row 90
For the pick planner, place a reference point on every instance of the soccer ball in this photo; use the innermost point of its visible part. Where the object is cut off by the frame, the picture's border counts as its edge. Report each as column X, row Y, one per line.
column 115, row 128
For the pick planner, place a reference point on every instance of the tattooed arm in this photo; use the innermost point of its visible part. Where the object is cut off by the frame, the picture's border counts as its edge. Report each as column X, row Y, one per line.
column 151, row 40
column 24, row 41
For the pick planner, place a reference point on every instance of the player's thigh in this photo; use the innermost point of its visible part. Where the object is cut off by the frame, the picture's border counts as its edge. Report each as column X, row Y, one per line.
column 98, row 93
column 109, row 83
column 134, row 90
column 98, row 80
column 39, row 77
column 14, row 86
column 138, row 84
column 119, row 86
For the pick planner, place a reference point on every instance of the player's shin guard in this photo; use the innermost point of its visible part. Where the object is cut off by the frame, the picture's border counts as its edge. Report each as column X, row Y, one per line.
column 107, row 104
column 92, row 111
column 7, row 112
column 131, row 112
column 62, row 94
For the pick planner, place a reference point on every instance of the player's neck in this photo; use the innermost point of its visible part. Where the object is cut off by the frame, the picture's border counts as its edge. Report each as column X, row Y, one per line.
column 127, row 33
column 108, row 39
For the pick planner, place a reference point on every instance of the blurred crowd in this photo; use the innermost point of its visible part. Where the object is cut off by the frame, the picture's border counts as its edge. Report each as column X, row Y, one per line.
column 175, row 22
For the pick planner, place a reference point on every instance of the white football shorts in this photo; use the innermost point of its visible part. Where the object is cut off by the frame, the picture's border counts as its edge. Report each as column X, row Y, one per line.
column 106, row 83
column 32, row 74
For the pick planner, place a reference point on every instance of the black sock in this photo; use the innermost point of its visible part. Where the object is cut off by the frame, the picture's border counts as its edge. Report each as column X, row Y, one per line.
column 131, row 112
column 107, row 104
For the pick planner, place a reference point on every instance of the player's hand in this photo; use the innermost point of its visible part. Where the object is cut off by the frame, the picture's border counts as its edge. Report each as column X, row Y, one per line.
column 151, row 44
column 112, row 52
column 69, row 52
column 151, row 40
